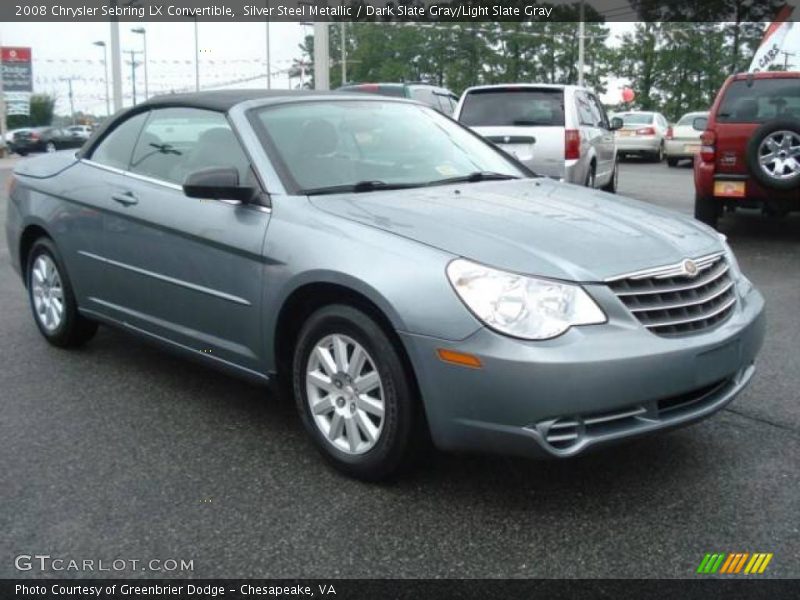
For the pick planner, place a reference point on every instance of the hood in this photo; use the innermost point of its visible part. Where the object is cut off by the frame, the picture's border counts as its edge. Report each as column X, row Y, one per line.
column 46, row 165
column 532, row 226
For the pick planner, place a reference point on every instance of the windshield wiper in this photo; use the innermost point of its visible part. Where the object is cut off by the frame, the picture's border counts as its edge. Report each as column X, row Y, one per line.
column 475, row 177
column 361, row 186
column 529, row 123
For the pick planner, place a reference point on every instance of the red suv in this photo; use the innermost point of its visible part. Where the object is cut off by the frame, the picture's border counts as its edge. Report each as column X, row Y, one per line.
column 750, row 147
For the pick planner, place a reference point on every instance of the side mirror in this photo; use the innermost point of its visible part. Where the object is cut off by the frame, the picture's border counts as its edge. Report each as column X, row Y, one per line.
column 616, row 123
column 217, row 183
column 700, row 123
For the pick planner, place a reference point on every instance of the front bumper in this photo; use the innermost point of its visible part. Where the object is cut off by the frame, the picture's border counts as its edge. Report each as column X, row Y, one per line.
column 603, row 383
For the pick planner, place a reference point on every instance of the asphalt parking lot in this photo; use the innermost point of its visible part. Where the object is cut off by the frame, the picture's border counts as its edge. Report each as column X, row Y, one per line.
column 123, row 451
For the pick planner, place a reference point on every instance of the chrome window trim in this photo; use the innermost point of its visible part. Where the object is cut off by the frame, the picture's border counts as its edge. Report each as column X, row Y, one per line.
column 672, row 270
column 166, row 184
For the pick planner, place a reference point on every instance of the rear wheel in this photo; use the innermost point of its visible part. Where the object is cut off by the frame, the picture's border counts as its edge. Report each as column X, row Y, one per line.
column 50, row 147
column 658, row 156
column 611, row 186
column 52, row 299
column 707, row 210
column 354, row 395
column 590, row 177
column 672, row 162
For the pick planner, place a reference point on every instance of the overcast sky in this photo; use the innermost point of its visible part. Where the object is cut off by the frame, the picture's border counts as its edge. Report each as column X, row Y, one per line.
column 232, row 54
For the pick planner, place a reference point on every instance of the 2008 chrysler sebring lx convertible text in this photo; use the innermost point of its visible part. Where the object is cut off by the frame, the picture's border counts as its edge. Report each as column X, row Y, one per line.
column 409, row 279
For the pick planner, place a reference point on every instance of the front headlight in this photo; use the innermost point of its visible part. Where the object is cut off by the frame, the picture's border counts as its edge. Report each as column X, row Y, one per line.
column 521, row 306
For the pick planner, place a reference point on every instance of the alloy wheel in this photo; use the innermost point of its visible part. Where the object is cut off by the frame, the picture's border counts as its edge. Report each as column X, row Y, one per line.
column 345, row 394
column 779, row 155
column 47, row 292
column 50, row 147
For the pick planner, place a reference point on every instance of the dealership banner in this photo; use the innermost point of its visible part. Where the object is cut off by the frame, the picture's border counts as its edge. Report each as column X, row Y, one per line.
column 772, row 43
column 452, row 11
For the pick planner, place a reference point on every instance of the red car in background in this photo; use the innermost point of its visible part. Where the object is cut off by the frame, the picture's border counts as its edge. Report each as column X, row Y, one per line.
column 750, row 147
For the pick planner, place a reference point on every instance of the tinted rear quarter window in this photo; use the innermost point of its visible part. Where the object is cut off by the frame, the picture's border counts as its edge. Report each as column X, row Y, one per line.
column 116, row 148
column 762, row 100
column 179, row 141
column 509, row 107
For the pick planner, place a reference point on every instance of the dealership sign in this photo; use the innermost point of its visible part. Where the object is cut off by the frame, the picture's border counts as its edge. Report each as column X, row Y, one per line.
column 17, row 74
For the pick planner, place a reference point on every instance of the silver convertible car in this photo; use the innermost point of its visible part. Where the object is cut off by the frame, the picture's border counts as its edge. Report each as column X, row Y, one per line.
column 405, row 279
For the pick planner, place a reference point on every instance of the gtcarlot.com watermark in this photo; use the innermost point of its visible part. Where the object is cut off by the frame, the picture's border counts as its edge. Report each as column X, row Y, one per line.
column 45, row 563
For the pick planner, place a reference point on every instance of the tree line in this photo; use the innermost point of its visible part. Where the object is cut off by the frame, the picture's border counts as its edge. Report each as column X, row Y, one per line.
column 672, row 66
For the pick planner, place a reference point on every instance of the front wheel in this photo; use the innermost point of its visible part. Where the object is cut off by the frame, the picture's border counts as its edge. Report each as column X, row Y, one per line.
column 706, row 210
column 50, row 147
column 354, row 395
column 52, row 299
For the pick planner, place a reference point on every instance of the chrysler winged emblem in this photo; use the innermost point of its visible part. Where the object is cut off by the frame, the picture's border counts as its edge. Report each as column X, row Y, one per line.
column 689, row 268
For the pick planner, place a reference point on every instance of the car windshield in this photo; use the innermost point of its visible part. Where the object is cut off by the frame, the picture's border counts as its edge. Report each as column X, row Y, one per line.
column 349, row 145
column 510, row 107
column 637, row 119
column 688, row 120
column 760, row 100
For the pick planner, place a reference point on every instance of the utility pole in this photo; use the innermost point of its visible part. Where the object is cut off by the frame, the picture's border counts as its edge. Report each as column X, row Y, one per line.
column 134, row 64
column 71, row 99
column 786, row 56
column 581, row 43
column 322, row 59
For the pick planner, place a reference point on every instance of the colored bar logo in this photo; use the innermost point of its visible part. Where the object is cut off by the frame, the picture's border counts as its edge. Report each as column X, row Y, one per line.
column 734, row 563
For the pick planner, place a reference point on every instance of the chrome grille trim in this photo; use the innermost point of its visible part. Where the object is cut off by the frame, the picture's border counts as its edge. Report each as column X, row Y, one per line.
column 666, row 270
column 671, row 304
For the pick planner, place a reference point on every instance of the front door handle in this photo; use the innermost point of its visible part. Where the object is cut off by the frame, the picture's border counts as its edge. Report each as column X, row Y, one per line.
column 126, row 199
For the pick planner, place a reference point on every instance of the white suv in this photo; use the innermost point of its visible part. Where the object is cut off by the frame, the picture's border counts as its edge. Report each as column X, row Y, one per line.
column 560, row 131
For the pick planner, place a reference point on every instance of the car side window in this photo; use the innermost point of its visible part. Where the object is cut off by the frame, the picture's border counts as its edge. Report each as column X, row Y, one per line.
column 178, row 141
column 585, row 115
column 116, row 148
column 600, row 112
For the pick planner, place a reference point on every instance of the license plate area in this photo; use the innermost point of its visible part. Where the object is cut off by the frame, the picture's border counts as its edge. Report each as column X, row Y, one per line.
column 730, row 189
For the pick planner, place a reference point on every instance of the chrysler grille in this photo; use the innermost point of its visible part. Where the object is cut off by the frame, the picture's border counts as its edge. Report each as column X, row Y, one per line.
column 670, row 303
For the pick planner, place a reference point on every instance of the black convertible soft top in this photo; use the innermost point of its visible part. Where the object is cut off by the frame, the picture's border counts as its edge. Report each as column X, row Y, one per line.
column 218, row 100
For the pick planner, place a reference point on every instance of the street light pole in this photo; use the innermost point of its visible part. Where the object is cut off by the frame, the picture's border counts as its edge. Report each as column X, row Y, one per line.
column 102, row 45
column 269, row 70
column 134, row 64
column 344, row 53
column 196, row 58
column 581, row 43
column 143, row 32
column 116, row 61
column 322, row 59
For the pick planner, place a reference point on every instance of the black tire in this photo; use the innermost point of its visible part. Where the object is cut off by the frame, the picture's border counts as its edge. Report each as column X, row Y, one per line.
column 74, row 329
column 672, row 162
column 590, row 177
column 402, row 435
column 752, row 154
column 611, row 186
column 658, row 155
column 21, row 152
column 707, row 210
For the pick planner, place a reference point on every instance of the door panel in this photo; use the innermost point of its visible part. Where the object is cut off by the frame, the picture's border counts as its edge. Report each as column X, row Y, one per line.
column 188, row 270
column 185, row 269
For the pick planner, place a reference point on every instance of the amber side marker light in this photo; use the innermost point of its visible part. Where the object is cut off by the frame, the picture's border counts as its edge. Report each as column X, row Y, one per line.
column 459, row 358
